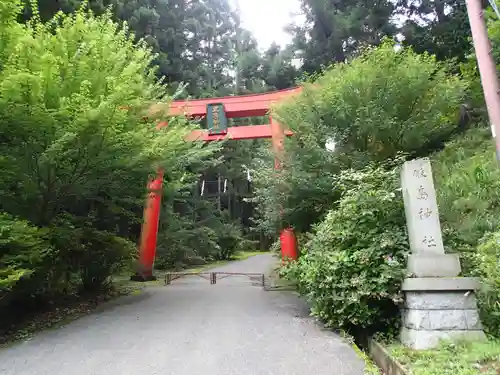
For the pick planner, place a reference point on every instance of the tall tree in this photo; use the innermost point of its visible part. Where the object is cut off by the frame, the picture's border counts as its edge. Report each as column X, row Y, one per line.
column 210, row 45
column 335, row 30
column 162, row 24
column 249, row 64
column 193, row 39
column 47, row 8
column 438, row 27
column 278, row 70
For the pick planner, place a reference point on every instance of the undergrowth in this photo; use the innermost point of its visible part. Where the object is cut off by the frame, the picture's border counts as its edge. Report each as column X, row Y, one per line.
column 459, row 358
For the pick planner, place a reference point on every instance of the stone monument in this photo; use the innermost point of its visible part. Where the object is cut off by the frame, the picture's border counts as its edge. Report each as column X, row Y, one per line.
column 438, row 303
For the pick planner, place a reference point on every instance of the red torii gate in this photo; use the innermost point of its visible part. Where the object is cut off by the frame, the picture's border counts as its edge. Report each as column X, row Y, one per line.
column 217, row 111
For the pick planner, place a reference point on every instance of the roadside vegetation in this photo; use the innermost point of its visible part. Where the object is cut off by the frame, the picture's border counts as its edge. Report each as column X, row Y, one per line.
column 451, row 358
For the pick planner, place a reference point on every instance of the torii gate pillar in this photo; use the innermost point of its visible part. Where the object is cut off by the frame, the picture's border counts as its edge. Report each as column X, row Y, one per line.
column 288, row 240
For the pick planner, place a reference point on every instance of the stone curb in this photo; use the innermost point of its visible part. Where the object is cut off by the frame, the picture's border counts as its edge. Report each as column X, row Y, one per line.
column 385, row 361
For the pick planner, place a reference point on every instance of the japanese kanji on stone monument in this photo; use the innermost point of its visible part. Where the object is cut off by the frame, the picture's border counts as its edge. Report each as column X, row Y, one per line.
column 438, row 303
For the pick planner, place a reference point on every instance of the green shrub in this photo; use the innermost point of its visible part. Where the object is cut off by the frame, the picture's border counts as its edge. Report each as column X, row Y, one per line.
column 228, row 238
column 245, row 244
column 75, row 89
column 64, row 90
column 184, row 241
column 303, row 239
column 189, row 245
column 468, row 192
column 275, row 247
column 23, row 250
column 102, row 255
column 384, row 102
column 87, row 257
column 487, row 261
column 352, row 268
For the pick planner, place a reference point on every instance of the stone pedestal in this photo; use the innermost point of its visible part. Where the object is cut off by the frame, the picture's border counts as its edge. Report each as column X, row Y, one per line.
column 437, row 309
column 433, row 265
column 438, row 304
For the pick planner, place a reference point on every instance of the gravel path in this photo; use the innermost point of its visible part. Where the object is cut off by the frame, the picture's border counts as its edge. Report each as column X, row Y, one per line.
column 190, row 328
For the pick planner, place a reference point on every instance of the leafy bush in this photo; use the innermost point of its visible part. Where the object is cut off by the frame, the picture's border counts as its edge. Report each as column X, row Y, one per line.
column 488, row 268
column 468, row 190
column 76, row 89
column 384, row 102
column 229, row 236
column 276, row 247
column 351, row 270
column 23, row 249
column 86, row 83
column 103, row 255
column 88, row 257
column 184, row 241
column 381, row 103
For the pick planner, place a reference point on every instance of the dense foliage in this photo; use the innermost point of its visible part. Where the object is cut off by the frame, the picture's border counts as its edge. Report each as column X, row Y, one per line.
column 467, row 177
column 469, row 187
column 23, row 251
column 386, row 103
column 76, row 151
column 353, row 266
column 335, row 31
column 487, row 268
column 198, row 44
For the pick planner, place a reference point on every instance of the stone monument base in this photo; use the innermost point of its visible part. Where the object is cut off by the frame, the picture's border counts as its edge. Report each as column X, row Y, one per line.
column 438, row 308
column 427, row 264
column 421, row 340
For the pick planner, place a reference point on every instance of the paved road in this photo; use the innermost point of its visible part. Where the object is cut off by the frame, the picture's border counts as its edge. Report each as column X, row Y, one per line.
column 190, row 328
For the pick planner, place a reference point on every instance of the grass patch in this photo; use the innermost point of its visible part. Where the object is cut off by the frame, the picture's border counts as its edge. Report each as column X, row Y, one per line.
column 277, row 282
column 207, row 266
column 458, row 358
column 370, row 367
column 241, row 255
